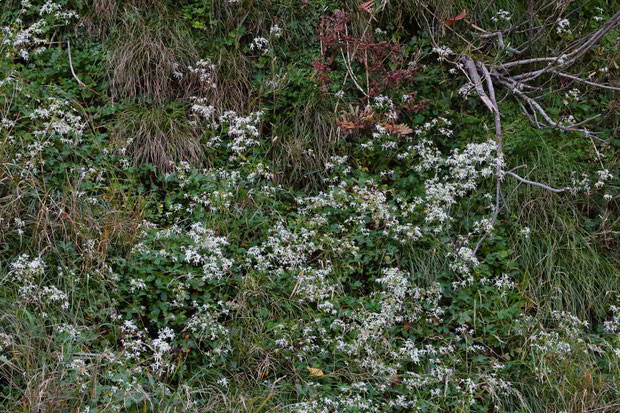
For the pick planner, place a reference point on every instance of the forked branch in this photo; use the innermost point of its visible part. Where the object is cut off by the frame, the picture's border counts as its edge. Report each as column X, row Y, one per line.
column 499, row 75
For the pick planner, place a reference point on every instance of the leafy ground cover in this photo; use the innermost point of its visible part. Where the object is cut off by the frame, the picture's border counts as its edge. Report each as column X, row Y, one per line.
column 309, row 206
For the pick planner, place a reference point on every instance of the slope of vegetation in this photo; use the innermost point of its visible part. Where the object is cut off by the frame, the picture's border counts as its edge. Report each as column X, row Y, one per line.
column 309, row 206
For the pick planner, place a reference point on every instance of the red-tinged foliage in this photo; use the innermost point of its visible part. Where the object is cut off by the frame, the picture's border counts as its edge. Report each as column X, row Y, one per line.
column 375, row 57
column 461, row 16
column 368, row 6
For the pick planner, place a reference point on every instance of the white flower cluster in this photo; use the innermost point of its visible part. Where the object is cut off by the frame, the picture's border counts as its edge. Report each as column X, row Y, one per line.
column 502, row 15
column 205, row 71
column 599, row 17
column 468, row 89
column 59, row 118
column 443, row 52
column 55, row 9
column 143, row 352
column 566, row 338
column 28, row 274
column 462, row 171
column 202, row 108
column 464, row 261
column 287, row 251
column 205, row 325
column 260, row 44
column 563, row 26
column 275, row 31
column 613, row 326
column 21, row 42
column 602, row 177
column 242, row 129
column 55, row 120
column 207, row 250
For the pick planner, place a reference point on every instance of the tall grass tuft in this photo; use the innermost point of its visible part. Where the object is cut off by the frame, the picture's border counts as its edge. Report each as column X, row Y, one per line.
column 158, row 135
column 567, row 261
column 146, row 50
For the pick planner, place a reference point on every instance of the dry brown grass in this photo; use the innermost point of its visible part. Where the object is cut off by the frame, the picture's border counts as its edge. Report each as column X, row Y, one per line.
column 305, row 143
column 53, row 218
column 145, row 50
column 36, row 366
column 233, row 84
column 105, row 9
column 159, row 136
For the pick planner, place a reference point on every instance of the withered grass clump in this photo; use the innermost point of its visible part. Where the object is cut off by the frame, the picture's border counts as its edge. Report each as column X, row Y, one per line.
column 306, row 140
column 233, row 84
column 146, row 54
column 158, row 135
column 54, row 218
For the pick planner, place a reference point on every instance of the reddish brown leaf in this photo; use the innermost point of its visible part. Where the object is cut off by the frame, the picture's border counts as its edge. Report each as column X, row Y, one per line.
column 461, row 16
column 346, row 124
column 399, row 129
column 368, row 6
column 394, row 380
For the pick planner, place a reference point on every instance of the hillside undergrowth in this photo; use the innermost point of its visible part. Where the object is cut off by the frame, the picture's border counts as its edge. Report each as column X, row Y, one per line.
column 307, row 206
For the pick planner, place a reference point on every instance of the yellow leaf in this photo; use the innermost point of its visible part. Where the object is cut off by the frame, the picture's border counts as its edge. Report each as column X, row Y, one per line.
column 314, row 372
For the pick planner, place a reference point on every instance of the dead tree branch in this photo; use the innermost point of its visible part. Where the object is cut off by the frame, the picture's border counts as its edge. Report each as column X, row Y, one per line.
column 533, row 183
column 501, row 75
column 71, row 65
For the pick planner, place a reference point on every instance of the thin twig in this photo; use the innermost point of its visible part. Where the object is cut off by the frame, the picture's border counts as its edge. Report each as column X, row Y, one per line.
column 578, row 79
column 553, row 124
column 71, row 65
column 527, row 181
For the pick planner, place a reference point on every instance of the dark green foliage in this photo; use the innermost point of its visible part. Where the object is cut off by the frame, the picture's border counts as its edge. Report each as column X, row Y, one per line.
column 156, row 258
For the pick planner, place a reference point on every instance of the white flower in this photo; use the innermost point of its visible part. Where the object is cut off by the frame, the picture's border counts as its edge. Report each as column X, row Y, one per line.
column 383, row 103
column 275, row 31
column 443, row 52
column 525, row 231
column 137, row 284
column 563, row 26
column 260, row 44
column 204, row 69
column 502, row 15
column 467, row 89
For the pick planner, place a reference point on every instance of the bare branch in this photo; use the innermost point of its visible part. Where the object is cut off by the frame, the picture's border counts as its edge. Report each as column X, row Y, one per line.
column 527, row 93
column 584, row 121
column 500, row 41
column 475, row 79
column 498, row 142
column 593, row 38
column 517, row 167
column 71, row 65
column 528, row 61
column 578, row 79
column 527, row 181
column 567, row 58
column 553, row 124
